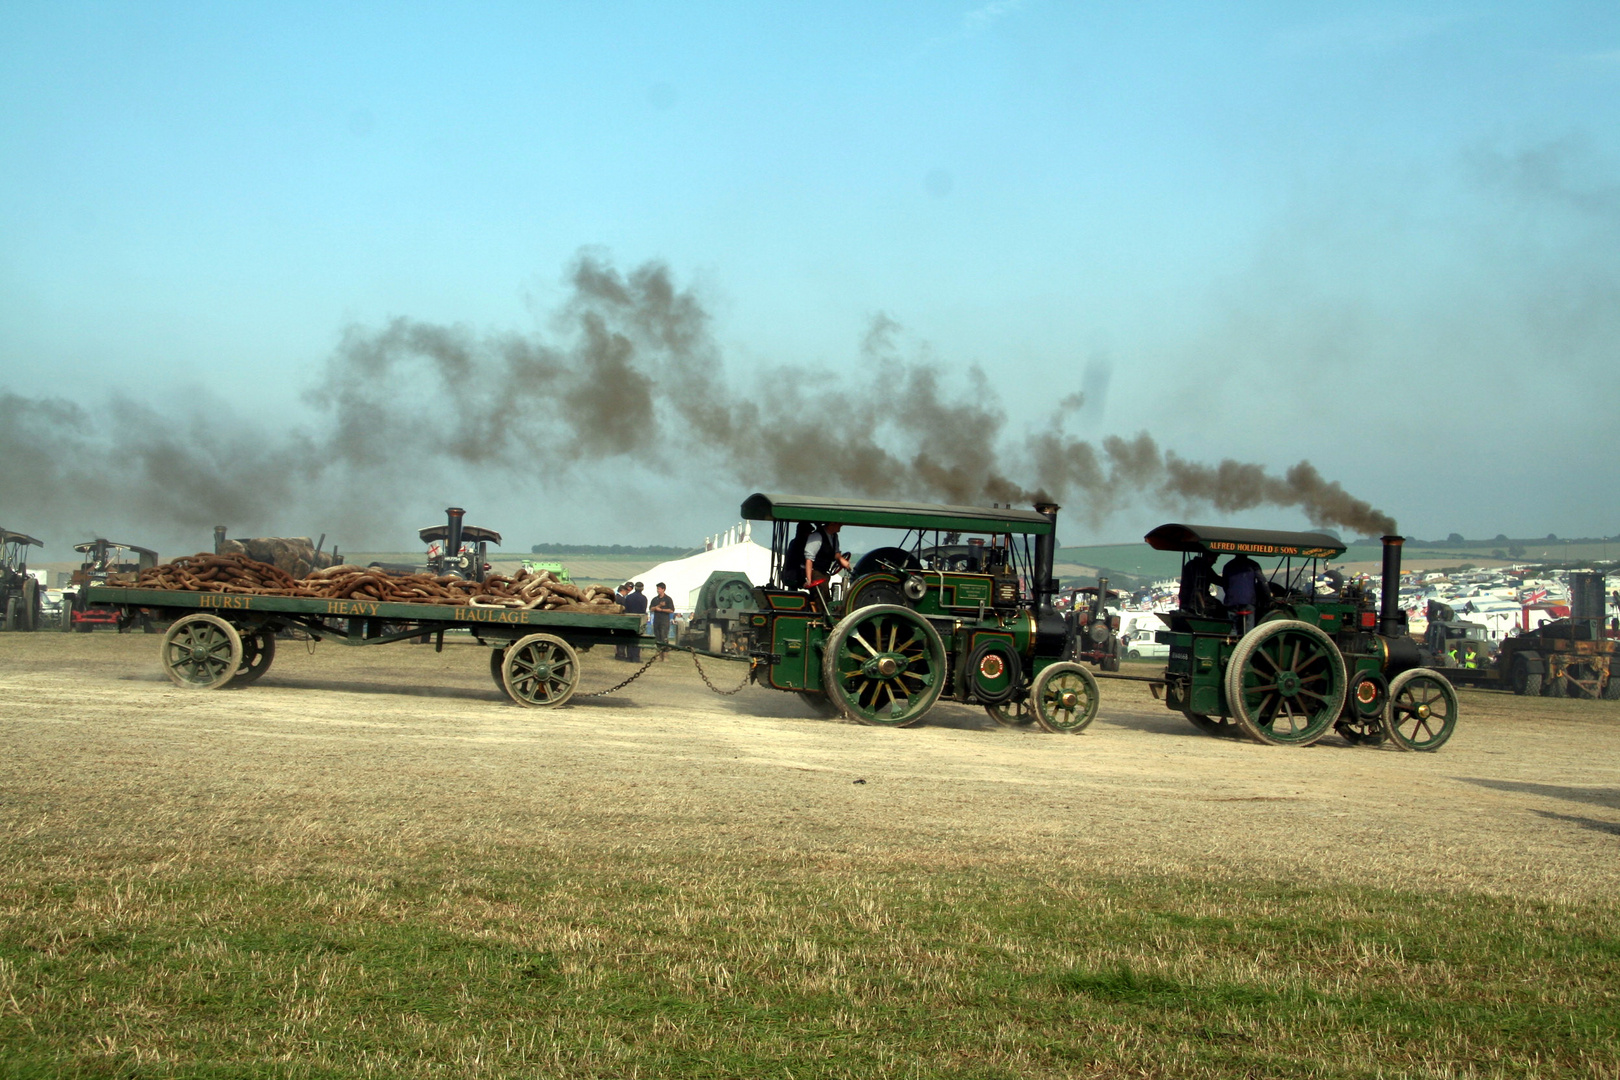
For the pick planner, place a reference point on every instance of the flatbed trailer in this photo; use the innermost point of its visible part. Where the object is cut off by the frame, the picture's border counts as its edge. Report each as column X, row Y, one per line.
column 229, row 639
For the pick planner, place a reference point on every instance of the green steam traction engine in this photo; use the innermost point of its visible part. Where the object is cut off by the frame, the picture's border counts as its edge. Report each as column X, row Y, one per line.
column 1313, row 661
column 925, row 619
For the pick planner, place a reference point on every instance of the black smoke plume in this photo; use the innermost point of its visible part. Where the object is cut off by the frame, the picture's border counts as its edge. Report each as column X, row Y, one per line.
column 630, row 372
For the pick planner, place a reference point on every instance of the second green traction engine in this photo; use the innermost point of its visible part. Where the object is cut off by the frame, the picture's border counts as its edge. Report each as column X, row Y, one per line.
column 930, row 618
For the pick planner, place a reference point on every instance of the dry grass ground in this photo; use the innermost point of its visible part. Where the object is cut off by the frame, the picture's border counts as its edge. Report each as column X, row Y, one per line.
column 371, row 863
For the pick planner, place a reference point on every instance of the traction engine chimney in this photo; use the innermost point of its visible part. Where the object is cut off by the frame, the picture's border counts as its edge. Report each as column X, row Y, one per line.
column 1390, row 623
column 1045, row 555
column 452, row 540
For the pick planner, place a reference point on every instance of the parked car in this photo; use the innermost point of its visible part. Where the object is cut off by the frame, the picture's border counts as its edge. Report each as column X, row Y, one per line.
column 1141, row 646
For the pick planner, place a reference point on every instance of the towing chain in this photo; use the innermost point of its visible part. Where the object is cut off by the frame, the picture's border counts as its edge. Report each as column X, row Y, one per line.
column 659, row 655
column 638, row 673
column 747, row 676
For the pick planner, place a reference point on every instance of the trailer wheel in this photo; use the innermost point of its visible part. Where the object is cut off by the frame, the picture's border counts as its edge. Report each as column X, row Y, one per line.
column 201, row 652
column 1557, row 686
column 1011, row 713
column 1218, row 726
column 1583, row 680
column 258, row 651
column 1526, row 683
column 1611, row 689
column 1285, row 683
column 540, row 670
column 497, row 659
column 1422, row 710
column 1064, row 698
column 884, row 665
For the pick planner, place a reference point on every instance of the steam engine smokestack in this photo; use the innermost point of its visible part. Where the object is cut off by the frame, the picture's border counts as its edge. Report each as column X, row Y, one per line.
column 219, row 539
column 1045, row 556
column 1390, row 623
column 452, row 541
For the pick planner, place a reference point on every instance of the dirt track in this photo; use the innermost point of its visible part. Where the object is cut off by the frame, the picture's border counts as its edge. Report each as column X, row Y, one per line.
column 400, row 744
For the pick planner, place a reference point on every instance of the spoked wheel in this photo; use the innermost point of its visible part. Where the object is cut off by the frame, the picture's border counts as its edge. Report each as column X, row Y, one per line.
column 202, row 652
column 1285, row 683
column 1363, row 722
column 884, row 665
column 258, row 650
column 540, row 670
column 1065, row 698
column 1011, row 713
column 13, row 612
column 1422, row 710
column 1219, row 726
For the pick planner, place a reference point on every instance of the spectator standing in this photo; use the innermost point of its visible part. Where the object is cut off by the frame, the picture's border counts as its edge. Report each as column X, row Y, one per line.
column 621, row 652
column 663, row 609
column 635, row 604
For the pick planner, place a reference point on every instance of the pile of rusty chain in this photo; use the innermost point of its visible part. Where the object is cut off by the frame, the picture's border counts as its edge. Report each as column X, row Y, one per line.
column 239, row 574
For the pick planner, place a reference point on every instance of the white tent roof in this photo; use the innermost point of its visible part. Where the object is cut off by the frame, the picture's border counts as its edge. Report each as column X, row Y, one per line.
column 684, row 577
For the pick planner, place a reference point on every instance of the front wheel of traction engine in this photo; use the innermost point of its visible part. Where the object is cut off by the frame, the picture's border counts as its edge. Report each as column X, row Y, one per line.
column 202, row 652
column 1285, row 683
column 1363, row 721
column 540, row 670
column 1064, row 698
column 1422, row 710
column 884, row 665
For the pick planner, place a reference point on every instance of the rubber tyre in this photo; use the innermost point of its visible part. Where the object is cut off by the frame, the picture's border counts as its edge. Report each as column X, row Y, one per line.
column 201, row 652
column 1611, row 689
column 1314, row 671
column 909, row 691
column 540, row 671
column 1422, row 710
column 1557, row 686
column 1064, row 698
column 258, row 653
column 1526, row 683
column 29, row 615
column 1133, row 655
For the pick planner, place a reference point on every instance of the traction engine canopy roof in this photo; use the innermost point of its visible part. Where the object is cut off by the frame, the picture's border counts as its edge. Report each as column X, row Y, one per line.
column 469, row 534
column 895, row 515
column 1220, row 540
column 102, row 545
column 9, row 537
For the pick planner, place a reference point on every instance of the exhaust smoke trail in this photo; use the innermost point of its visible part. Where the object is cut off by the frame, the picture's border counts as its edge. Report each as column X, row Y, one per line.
column 631, row 373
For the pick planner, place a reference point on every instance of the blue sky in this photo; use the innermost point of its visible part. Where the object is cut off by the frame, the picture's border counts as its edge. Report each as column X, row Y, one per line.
column 1378, row 237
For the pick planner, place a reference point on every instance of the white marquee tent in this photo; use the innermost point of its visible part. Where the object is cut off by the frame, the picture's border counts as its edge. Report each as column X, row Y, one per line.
column 732, row 550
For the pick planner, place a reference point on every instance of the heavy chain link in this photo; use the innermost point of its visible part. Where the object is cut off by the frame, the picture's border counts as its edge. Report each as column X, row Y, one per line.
column 659, row 655
column 639, row 672
column 747, row 676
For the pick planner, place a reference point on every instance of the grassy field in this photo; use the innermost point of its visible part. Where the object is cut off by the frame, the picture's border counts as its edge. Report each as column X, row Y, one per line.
column 511, row 961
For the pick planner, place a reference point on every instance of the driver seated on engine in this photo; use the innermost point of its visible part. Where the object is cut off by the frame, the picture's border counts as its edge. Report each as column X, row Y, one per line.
column 821, row 555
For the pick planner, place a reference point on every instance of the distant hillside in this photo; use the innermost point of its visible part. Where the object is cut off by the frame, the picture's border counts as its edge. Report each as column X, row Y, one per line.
column 614, row 551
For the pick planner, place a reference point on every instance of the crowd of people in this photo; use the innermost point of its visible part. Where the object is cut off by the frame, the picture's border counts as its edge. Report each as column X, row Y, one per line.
column 633, row 598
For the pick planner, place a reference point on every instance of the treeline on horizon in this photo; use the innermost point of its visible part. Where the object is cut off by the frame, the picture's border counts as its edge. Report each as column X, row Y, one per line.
column 651, row 550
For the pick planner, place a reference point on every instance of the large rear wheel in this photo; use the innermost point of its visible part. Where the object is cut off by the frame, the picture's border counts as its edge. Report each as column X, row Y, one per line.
column 1011, row 713
column 13, row 607
column 1422, row 710
column 540, row 671
column 1285, row 683
column 1219, row 726
column 884, row 665
column 201, row 652
column 30, row 605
